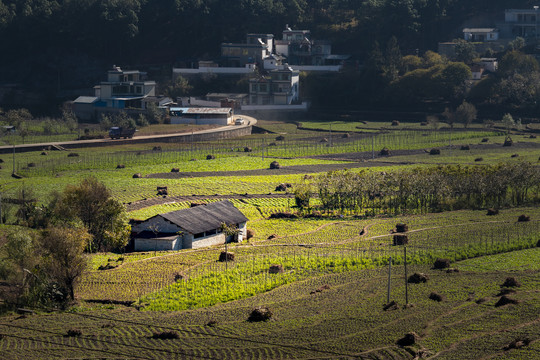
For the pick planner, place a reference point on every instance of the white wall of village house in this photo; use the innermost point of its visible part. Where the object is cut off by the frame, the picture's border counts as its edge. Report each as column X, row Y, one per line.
column 157, row 245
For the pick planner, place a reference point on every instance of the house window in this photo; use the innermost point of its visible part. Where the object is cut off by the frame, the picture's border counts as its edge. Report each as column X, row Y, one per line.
column 253, row 87
column 139, row 90
column 198, row 236
column 263, row 88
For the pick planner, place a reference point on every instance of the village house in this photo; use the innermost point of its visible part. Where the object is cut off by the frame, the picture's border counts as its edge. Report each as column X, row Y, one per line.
column 124, row 90
column 481, row 34
column 279, row 87
column 192, row 228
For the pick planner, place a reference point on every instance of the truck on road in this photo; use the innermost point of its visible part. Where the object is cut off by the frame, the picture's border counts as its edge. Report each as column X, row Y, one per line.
column 118, row 132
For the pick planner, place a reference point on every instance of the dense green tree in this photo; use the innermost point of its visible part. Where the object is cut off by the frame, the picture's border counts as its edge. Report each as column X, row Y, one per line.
column 91, row 202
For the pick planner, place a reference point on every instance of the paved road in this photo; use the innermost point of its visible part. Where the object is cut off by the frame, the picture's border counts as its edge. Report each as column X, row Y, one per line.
column 250, row 121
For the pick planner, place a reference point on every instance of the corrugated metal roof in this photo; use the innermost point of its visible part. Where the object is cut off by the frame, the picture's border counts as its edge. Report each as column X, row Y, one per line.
column 85, row 100
column 207, row 217
column 479, row 30
column 193, row 110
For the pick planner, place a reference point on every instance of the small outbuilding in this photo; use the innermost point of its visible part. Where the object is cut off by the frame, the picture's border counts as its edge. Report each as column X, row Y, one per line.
column 199, row 116
column 192, row 228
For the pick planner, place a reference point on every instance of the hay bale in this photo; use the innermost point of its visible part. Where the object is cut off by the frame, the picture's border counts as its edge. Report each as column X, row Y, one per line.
column 274, row 165
column 452, row 270
column 401, row 240
column 523, row 218
column 74, row 333
column 479, row 159
column 179, row 277
column 401, row 228
column 324, row 140
column 384, row 152
column 210, row 157
column 226, row 256
column 481, row 300
column 441, row 264
column 281, row 187
column 346, row 136
column 137, row 176
column 44, row 153
column 272, row 144
column 248, row 149
column 532, row 136
column 320, row 289
column 272, row 237
column 162, row 191
column 514, row 155
column 505, row 300
column 436, row 297
column 73, row 154
column 392, row 305
column 395, row 123
column 511, row 282
column 465, row 147
column 175, row 170
column 166, row 335
column 506, row 292
column 280, row 138
column 492, row 212
column 250, row 233
column 275, row 269
column 408, row 340
column 418, row 278
column 120, row 166
column 31, row 164
column 212, row 323
column 156, row 148
column 260, row 313
column 485, row 140
column 435, row 152
column 518, row 343
column 508, row 142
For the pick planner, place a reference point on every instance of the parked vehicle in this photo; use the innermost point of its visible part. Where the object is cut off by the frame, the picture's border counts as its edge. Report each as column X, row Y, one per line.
column 239, row 121
column 117, row 132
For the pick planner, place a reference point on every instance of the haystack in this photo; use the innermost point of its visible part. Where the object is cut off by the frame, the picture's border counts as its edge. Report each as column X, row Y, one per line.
column 274, row 165
column 260, row 313
column 441, row 264
column 408, row 340
column 418, row 278
column 511, row 282
column 436, row 297
column 275, row 269
column 226, row 256
column 505, row 300
column 435, row 152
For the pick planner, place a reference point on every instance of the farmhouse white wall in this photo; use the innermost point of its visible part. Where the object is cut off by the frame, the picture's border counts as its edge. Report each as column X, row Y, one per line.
column 157, row 245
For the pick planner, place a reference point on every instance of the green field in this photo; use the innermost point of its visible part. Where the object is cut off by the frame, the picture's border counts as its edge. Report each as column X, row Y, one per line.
column 327, row 303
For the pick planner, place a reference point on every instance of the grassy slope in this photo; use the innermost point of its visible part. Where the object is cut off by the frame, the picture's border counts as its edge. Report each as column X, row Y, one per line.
column 346, row 320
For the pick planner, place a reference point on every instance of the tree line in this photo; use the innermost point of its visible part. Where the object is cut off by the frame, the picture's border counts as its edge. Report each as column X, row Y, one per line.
column 422, row 190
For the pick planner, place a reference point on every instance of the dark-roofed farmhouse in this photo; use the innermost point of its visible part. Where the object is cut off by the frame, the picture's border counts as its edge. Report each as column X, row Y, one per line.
column 191, row 228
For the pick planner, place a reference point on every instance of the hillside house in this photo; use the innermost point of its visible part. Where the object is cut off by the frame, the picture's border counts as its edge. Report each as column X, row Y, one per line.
column 280, row 87
column 124, row 90
column 481, row 34
column 192, row 228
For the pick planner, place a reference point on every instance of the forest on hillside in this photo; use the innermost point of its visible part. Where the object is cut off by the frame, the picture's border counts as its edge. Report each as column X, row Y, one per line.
column 49, row 46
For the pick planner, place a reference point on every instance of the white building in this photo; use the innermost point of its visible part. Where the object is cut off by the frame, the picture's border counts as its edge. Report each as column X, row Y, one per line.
column 201, row 115
column 192, row 228
column 481, row 34
column 281, row 87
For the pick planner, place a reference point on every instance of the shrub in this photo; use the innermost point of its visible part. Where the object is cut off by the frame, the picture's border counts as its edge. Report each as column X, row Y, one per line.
column 260, row 314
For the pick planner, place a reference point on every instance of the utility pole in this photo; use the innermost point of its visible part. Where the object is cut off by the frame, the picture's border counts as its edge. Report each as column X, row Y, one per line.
column 406, row 282
column 389, row 275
